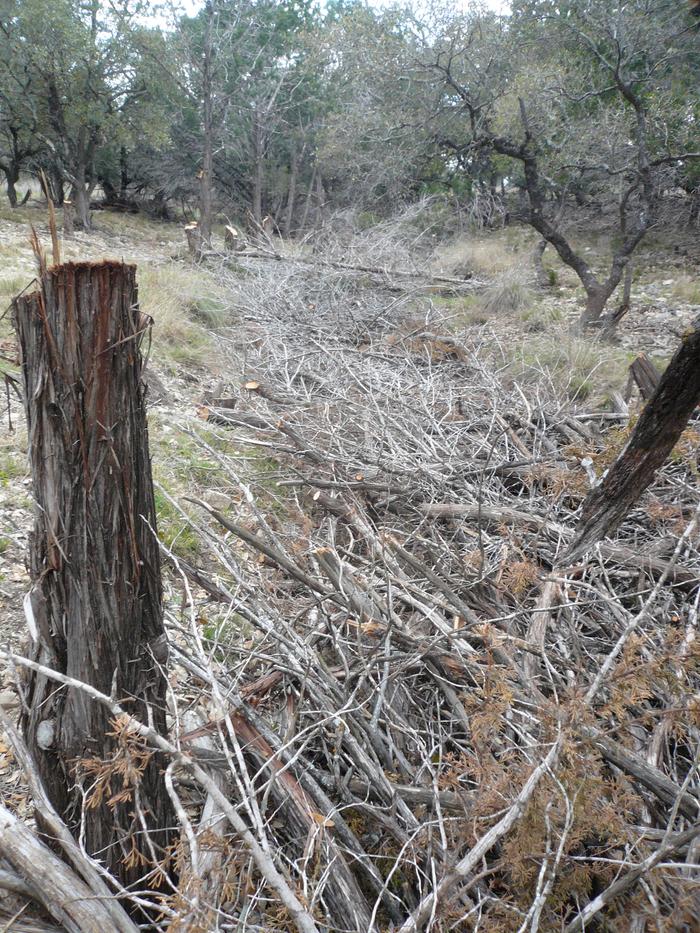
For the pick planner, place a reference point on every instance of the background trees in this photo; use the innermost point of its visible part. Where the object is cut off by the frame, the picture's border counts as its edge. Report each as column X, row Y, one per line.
column 559, row 114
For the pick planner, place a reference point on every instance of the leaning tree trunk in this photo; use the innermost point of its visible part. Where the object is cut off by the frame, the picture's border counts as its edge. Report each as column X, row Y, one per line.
column 94, row 612
column 659, row 427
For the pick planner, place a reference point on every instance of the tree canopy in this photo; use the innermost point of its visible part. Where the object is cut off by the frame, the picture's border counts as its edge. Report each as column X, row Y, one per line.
column 553, row 111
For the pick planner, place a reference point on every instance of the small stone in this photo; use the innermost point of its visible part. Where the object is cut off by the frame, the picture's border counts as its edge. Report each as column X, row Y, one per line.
column 45, row 733
column 8, row 700
column 217, row 500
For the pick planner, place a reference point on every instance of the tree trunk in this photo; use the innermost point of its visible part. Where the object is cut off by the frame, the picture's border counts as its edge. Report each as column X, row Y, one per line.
column 320, row 201
column 123, row 173
column 12, row 176
column 596, row 300
column 259, row 164
column 309, row 197
column 51, row 183
column 81, row 200
column 694, row 212
column 207, row 171
column 292, row 192
column 94, row 612
column 68, row 220
column 659, row 427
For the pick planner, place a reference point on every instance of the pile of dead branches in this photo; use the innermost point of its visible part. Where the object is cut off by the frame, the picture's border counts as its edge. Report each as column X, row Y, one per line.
column 429, row 717
column 396, row 705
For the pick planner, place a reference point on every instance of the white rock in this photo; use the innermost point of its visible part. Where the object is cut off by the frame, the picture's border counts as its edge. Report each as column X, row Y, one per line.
column 8, row 700
column 45, row 732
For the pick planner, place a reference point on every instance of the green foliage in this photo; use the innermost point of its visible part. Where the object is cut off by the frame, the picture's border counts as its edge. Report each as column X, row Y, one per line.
column 12, row 466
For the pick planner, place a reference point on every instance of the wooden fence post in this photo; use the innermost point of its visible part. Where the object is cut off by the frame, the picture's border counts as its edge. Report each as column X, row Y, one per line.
column 94, row 611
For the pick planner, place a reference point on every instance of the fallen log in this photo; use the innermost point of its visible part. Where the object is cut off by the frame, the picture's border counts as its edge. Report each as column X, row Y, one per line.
column 467, row 283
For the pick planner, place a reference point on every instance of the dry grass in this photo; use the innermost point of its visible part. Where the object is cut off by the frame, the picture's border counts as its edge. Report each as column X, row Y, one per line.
column 687, row 288
column 485, row 256
column 568, row 366
column 509, row 294
column 185, row 304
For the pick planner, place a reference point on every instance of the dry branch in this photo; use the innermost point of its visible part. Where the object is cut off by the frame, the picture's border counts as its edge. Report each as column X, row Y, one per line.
column 84, row 867
column 53, row 885
column 656, row 433
column 301, row 918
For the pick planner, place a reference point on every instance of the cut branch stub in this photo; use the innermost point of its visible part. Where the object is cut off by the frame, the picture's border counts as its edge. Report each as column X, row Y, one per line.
column 659, row 427
column 94, row 611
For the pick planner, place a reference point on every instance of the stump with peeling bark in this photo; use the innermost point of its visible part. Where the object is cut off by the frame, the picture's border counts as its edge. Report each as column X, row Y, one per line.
column 94, row 612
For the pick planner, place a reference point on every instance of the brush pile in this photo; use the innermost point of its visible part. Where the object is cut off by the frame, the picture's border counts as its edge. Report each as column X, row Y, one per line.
column 397, row 702
column 427, row 717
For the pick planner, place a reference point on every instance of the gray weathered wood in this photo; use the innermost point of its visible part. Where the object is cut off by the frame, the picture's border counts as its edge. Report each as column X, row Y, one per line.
column 52, row 884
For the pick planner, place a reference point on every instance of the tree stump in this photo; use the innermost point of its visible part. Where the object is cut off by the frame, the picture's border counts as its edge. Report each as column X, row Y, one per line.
column 233, row 241
column 94, row 611
column 68, row 219
column 193, row 235
column 646, row 376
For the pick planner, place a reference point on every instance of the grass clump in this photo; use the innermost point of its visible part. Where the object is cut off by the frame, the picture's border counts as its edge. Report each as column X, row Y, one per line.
column 487, row 256
column 175, row 295
column 12, row 466
column 687, row 288
column 540, row 318
column 457, row 311
column 572, row 367
column 508, row 295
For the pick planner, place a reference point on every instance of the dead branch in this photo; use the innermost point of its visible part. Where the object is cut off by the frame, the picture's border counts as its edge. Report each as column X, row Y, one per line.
column 656, row 433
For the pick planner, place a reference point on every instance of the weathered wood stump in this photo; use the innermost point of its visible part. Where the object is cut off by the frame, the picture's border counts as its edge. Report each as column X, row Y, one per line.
column 645, row 375
column 233, row 241
column 193, row 235
column 94, row 611
column 68, row 219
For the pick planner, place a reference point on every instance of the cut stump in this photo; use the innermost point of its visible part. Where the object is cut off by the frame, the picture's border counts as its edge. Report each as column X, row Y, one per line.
column 94, row 611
